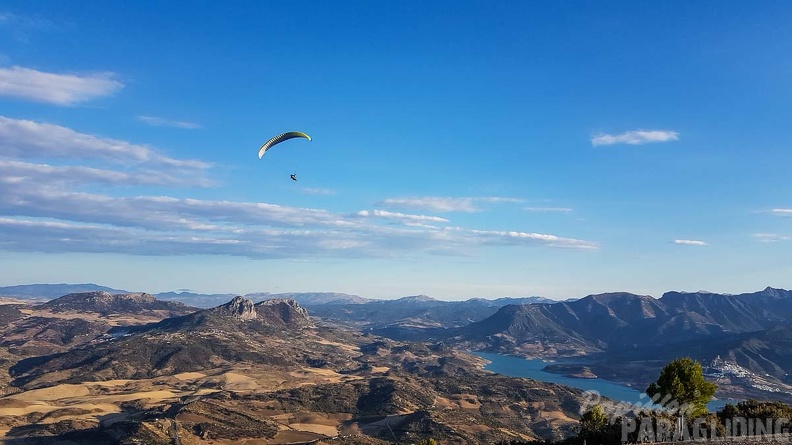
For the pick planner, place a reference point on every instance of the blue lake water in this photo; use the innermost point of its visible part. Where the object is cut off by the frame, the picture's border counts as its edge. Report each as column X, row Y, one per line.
column 532, row 369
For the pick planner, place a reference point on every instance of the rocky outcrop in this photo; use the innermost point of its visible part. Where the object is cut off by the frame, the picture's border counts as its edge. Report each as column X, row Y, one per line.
column 240, row 308
column 285, row 311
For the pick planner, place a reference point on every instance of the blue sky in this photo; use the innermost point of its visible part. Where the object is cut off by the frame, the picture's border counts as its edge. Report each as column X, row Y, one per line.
column 459, row 149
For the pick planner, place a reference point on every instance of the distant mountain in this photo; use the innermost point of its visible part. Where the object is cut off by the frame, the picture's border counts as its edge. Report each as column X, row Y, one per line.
column 195, row 299
column 312, row 298
column 236, row 332
column 75, row 319
column 417, row 316
column 46, row 291
column 520, row 300
column 618, row 320
column 268, row 315
column 417, row 299
column 303, row 298
column 105, row 303
column 616, row 323
column 629, row 338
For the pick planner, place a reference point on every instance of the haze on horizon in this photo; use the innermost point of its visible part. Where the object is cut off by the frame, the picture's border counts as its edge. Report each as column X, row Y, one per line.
column 510, row 149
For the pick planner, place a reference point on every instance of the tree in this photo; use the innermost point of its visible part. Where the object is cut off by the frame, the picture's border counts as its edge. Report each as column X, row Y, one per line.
column 681, row 384
column 596, row 428
column 594, row 421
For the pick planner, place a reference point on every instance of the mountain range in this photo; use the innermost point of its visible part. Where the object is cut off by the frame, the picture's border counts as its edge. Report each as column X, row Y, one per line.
column 194, row 299
column 251, row 371
column 749, row 330
column 618, row 320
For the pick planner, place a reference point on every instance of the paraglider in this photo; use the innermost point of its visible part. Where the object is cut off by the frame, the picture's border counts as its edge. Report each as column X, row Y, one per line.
column 280, row 138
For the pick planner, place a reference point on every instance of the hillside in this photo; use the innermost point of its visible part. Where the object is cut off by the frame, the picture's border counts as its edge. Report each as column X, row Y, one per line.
column 105, row 303
column 617, row 320
column 628, row 338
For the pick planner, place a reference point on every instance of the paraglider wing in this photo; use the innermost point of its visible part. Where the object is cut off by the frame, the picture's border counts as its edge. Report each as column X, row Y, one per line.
column 280, row 138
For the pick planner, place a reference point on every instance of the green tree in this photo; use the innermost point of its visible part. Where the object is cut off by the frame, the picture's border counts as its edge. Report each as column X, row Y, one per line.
column 593, row 422
column 596, row 428
column 681, row 383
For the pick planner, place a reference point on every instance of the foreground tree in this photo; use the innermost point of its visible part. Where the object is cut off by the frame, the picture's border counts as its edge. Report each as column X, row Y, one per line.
column 681, row 383
column 596, row 428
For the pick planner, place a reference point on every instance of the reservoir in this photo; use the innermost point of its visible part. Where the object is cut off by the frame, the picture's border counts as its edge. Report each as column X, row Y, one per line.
column 532, row 369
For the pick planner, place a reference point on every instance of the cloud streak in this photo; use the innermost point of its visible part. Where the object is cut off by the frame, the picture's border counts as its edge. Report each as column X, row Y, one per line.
column 162, row 122
column 446, row 204
column 548, row 209
column 771, row 237
column 402, row 216
column 317, row 191
column 689, row 242
column 53, row 88
column 636, row 137
column 64, row 176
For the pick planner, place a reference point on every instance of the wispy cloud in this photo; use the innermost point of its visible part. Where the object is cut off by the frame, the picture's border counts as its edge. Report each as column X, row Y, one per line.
column 397, row 215
column 689, row 242
column 781, row 212
column 162, row 122
column 29, row 139
column 514, row 237
column 58, row 89
column 771, row 237
column 74, row 175
column 548, row 209
column 636, row 137
column 21, row 27
column 446, row 204
column 317, row 191
column 158, row 225
column 56, row 208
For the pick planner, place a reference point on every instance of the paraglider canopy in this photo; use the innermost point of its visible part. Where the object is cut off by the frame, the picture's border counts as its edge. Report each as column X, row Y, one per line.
column 280, row 138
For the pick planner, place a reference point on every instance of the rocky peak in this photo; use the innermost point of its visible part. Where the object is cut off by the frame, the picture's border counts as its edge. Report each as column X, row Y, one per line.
column 138, row 297
column 285, row 309
column 240, row 308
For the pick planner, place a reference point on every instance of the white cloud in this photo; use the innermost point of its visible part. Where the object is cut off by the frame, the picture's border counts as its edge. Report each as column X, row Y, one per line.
column 771, row 237
column 29, row 139
column 781, row 212
column 515, row 237
column 161, row 122
column 548, row 209
column 689, row 242
column 446, row 204
column 147, row 224
column 56, row 208
column 636, row 137
column 58, row 89
column 397, row 215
